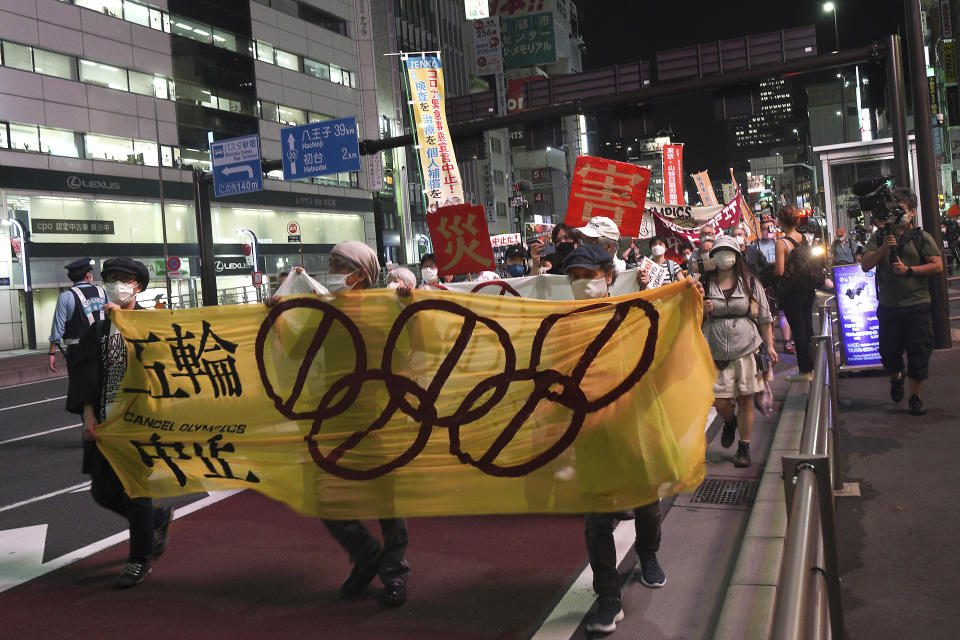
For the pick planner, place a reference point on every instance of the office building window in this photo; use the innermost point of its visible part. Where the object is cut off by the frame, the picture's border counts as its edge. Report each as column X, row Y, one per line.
column 103, row 75
column 192, row 94
column 225, row 39
column 268, row 111
column 287, row 60
column 291, row 116
column 189, row 29
column 148, row 85
column 136, row 13
column 316, row 69
column 17, row 56
column 25, row 137
column 498, row 178
column 112, row 8
column 264, row 52
column 4, row 138
column 495, row 145
column 59, row 142
column 317, row 117
column 54, row 64
column 109, row 148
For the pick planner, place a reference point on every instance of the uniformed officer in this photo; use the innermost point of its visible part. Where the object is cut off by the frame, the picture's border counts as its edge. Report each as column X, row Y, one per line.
column 78, row 308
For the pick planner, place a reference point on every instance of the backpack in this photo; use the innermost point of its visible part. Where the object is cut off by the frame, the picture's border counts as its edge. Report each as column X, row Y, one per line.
column 802, row 271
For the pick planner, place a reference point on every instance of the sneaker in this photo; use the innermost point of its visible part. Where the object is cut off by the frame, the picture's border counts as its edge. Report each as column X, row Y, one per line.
column 896, row 388
column 729, row 431
column 608, row 614
column 651, row 573
column 394, row 594
column 362, row 574
column 133, row 574
column 742, row 459
column 160, row 532
column 789, row 347
column 916, row 406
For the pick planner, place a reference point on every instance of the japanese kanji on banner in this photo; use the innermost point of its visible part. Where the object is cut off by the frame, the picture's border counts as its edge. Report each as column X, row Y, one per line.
column 705, row 188
column 438, row 163
column 372, row 405
column 616, row 190
column 673, row 173
column 461, row 242
column 677, row 237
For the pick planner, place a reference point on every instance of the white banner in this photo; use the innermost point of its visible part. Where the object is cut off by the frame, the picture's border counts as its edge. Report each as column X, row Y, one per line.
column 545, row 287
column 684, row 215
column 505, row 239
column 657, row 273
column 489, row 49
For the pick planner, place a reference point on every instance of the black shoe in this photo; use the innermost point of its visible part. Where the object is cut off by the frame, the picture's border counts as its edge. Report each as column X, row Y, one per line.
column 916, row 406
column 651, row 573
column 133, row 574
column 608, row 614
column 160, row 529
column 742, row 459
column 729, row 431
column 394, row 594
column 362, row 574
column 896, row 389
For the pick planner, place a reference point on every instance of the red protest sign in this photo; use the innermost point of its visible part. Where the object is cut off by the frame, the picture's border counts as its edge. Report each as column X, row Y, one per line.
column 673, row 174
column 461, row 241
column 615, row 190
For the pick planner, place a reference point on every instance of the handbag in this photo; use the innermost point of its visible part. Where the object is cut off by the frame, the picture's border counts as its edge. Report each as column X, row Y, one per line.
column 763, row 360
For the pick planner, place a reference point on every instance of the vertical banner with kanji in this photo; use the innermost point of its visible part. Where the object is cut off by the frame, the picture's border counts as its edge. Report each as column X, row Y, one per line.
column 438, row 163
column 673, row 174
column 615, row 190
column 705, row 188
column 461, row 241
column 747, row 218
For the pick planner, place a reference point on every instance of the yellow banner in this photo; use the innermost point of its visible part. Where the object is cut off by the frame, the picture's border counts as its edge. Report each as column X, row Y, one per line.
column 438, row 163
column 371, row 405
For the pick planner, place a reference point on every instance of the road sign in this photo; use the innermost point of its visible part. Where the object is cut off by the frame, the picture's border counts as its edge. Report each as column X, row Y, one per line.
column 236, row 166
column 4, row 282
column 293, row 232
column 257, row 278
column 320, row 148
column 173, row 266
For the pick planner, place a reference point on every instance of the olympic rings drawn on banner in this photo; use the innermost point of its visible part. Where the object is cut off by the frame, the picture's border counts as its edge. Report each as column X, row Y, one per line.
column 549, row 384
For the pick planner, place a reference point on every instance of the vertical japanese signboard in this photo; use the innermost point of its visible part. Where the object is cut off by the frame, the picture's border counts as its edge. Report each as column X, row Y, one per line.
column 438, row 163
column 528, row 40
column 489, row 52
column 615, row 190
column 673, row 174
column 857, row 303
column 476, row 9
column 705, row 189
column 368, row 91
column 461, row 240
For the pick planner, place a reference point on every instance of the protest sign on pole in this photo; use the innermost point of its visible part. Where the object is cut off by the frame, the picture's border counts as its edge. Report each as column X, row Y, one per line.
column 673, row 173
column 461, row 241
column 616, row 190
column 657, row 273
column 438, row 163
column 704, row 188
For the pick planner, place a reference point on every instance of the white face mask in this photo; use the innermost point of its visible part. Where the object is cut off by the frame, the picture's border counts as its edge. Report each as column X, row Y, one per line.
column 741, row 241
column 658, row 250
column 544, row 270
column 337, row 282
column 589, row 289
column 429, row 274
column 122, row 293
column 393, row 285
column 725, row 260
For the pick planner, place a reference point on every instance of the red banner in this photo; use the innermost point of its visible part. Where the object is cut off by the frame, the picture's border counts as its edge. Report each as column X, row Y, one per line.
column 461, row 241
column 678, row 238
column 616, row 190
column 673, row 174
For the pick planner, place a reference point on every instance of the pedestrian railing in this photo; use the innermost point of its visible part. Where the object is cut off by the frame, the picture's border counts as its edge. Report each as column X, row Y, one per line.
column 808, row 604
column 953, row 298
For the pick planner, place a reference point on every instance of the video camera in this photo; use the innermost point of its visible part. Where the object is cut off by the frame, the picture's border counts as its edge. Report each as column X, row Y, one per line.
column 874, row 195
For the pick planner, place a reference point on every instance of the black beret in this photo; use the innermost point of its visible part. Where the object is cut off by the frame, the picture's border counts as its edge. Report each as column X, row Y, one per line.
column 123, row 264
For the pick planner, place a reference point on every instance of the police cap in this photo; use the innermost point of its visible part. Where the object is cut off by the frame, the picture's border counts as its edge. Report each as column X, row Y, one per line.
column 79, row 268
column 123, row 264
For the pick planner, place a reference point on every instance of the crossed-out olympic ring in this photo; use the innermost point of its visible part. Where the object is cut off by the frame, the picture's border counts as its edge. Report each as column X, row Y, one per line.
column 549, row 384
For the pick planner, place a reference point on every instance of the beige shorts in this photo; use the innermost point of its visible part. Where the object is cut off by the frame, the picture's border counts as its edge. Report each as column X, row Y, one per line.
column 740, row 378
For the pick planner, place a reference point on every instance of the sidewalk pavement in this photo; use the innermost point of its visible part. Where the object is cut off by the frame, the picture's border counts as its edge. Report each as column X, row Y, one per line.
column 25, row 366
column 899, row 565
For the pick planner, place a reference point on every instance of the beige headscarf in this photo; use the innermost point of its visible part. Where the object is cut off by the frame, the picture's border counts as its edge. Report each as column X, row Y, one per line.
column 361, row 255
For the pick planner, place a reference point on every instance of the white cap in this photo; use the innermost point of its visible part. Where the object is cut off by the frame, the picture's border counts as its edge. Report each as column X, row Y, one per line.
column 601, row 227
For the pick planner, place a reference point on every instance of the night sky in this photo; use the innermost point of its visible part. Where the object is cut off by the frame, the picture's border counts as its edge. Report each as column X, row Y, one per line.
column 625, row 31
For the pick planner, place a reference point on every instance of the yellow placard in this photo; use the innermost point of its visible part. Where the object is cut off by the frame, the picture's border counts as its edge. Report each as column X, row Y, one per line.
column 373, row 405
column 438, row 163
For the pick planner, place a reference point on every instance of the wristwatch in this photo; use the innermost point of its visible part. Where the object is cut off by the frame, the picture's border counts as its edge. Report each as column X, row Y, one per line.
column 909, row 271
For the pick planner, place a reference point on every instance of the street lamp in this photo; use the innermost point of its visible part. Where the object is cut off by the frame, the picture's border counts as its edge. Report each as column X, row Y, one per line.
column 27, row 286
column 830, row 7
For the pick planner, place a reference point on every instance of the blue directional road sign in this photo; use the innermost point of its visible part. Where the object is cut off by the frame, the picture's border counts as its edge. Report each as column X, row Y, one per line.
column 320, row 148
column 236, row 166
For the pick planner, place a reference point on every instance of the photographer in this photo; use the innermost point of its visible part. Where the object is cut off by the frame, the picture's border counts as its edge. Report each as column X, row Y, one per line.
column 905, row 258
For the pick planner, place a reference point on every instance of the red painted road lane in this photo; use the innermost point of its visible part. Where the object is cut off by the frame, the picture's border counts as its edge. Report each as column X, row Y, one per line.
column 249, row 567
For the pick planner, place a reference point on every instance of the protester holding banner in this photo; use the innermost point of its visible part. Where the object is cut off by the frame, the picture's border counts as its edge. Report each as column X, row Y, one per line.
column 563, row 243
column 738, row 327
column 429, row 274
column 658, row 251
column 515, row 262
column 95, row 376
column 603, row 232
column 398, row 276
column 591, row 272
column 356, row 265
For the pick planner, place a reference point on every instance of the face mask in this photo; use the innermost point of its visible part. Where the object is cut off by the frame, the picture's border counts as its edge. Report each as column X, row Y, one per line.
column 393, row 285
column 724, row 260
column 741, row 241
column 337, row 282
column 658, row 250
column 768, row 235
column 122, row 293
column 564, row 249
column 515, row 270
column 588, row 289
column 429, row 274
column 686, row 255
column 544, row 270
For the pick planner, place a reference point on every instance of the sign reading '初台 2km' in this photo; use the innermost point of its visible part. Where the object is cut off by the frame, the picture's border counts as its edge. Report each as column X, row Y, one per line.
column 320, row 148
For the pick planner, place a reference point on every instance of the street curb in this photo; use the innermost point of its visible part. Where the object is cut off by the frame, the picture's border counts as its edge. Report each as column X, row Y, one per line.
column 32, row 367
column 748, row 604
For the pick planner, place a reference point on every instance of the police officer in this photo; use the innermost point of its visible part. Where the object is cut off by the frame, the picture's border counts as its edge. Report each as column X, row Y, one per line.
column 78, row 308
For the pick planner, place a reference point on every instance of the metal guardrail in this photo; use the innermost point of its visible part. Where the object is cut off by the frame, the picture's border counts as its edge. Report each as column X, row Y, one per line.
column 954, row 298
column 808, row 602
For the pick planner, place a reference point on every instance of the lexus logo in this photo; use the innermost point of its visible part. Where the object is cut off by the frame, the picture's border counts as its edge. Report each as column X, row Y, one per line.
column 75, row 182
column 220, row 266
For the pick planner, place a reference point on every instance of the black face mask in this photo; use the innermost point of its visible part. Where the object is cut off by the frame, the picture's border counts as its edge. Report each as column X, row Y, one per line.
column 564, row 249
